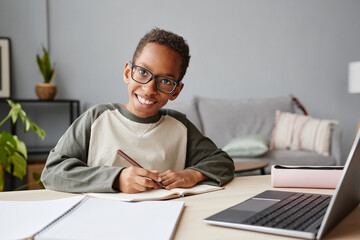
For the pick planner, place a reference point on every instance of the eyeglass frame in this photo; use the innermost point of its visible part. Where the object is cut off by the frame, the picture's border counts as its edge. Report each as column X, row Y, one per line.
column 153, row 76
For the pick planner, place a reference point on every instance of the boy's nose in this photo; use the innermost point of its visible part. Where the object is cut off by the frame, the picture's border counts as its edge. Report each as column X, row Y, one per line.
column 150, row 87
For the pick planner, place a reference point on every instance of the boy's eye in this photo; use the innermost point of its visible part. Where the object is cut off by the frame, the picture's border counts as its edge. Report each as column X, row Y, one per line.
column 143, row 72
column 166, row 81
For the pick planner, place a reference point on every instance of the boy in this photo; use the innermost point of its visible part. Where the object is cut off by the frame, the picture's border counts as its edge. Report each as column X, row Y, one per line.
column 169, row 147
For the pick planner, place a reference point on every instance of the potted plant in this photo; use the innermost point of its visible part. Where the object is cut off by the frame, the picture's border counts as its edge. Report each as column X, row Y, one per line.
column 13, row 152
column 45, row 90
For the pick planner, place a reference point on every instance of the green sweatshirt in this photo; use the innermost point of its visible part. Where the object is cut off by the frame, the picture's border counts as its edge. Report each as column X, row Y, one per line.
column 85, row 159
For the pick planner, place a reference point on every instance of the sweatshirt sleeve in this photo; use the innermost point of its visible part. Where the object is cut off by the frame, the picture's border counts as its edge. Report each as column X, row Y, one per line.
column 66, row 168
column 204, row 156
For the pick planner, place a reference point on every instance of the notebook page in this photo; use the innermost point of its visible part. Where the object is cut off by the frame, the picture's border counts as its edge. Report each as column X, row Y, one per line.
column 110, row 219
column 197, row 189
column 156, row 194
column 21, row 219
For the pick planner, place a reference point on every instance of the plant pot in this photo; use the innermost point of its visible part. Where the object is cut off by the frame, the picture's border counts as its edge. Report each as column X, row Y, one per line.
column 45, row 91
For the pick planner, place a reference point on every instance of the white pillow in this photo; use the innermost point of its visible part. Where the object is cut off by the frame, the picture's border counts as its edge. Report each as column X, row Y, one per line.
column 248, row 146
column 298, row 132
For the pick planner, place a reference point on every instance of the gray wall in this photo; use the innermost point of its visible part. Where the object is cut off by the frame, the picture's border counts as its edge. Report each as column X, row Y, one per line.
column 240, row 49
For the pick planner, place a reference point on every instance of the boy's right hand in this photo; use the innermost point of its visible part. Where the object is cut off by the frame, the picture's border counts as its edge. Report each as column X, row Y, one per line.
column 134, row 179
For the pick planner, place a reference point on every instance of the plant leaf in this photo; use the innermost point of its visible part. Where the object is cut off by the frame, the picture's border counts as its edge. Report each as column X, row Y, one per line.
column 38, row 60
column 37, row 177
column 44, row 64
column 7, row 148
column 11, row 103
column 22, row 113
column 19, row 164
column 13, row 152
column 52, row 74
column 37, row 180
column 3, row 155
column 4, row 120
column 21, row 147
column 26, row 125
column 1, row 179
column 36, row 129
column 13, row 113
column 8, row 142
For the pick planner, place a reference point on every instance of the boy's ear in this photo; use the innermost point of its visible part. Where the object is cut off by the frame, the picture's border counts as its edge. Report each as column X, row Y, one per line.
column 176, row 92
column 127, row 73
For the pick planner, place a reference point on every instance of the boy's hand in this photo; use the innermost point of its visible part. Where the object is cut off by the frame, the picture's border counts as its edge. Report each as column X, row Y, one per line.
column 135, row 179
column 183, row 178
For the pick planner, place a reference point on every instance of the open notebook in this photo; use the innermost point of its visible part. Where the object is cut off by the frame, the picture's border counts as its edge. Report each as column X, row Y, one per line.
column 84, row 217
column 158, row 194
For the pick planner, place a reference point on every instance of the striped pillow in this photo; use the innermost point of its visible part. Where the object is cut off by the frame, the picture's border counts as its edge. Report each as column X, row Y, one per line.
column 298, row 132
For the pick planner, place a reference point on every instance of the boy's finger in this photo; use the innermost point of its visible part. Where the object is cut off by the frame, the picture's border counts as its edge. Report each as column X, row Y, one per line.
column 145, row 182
column 164, row 175
column 168, row 181
column 140, row 187
column 154, row 175
column 173, row 185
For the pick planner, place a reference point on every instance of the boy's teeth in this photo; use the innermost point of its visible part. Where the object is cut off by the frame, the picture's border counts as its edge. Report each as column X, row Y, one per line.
column 144, row 101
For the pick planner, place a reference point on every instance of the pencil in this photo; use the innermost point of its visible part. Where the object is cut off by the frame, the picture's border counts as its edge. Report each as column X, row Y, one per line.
column 129, row 159
column 134, row 163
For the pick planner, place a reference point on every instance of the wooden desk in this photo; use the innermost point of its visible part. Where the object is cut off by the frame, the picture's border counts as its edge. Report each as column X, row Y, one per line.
column 198, row 207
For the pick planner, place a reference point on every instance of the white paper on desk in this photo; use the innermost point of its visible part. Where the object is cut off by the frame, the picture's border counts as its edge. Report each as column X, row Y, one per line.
column 21, row 219
column 110, row 219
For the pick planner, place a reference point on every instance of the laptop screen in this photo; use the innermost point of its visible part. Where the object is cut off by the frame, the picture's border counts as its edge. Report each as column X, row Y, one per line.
column 347, row 193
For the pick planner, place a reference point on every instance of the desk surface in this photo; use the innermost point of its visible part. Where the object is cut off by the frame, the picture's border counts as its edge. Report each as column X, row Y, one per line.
column 198, row 207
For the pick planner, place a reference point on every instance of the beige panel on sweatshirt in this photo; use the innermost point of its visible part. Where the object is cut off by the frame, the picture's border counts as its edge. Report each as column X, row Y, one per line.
column 158, row 146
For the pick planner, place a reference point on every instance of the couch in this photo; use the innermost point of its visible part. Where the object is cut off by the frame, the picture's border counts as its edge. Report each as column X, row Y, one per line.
column 223, row 120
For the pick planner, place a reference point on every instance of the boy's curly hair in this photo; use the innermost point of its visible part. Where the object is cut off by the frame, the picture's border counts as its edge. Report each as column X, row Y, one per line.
column 167, row 39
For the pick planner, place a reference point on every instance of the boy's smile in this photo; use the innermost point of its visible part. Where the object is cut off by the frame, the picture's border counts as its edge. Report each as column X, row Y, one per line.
column 145, row 100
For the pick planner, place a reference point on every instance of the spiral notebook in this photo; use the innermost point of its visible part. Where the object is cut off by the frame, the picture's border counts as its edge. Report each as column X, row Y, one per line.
column 84, row 217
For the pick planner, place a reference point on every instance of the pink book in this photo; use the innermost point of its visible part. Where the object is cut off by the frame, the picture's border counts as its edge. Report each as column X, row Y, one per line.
column 305, row 176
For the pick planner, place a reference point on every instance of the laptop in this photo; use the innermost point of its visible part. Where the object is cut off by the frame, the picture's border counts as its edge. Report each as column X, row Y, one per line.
column 308, row 216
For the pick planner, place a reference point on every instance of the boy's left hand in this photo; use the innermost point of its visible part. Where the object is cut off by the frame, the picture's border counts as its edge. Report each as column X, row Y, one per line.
column 182, row 178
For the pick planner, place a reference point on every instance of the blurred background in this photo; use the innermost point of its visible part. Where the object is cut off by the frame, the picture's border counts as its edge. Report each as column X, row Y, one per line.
column 239, row 49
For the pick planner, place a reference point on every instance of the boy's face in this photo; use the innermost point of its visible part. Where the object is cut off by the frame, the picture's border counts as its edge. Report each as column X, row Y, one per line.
column 145, row 100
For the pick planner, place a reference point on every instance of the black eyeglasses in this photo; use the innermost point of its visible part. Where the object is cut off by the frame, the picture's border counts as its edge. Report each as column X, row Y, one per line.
column 143, row 76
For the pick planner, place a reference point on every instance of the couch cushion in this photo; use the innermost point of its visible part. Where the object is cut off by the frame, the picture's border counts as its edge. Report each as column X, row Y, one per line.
column 225, row 119
column 247, row 146
column 189, row 108
column 299, row 132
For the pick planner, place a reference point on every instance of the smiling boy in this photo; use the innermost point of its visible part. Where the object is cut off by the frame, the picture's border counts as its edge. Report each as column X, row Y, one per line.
column 168, row 146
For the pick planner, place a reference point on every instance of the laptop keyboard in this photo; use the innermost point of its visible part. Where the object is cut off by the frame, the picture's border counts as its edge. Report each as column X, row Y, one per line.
column 297, row 212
